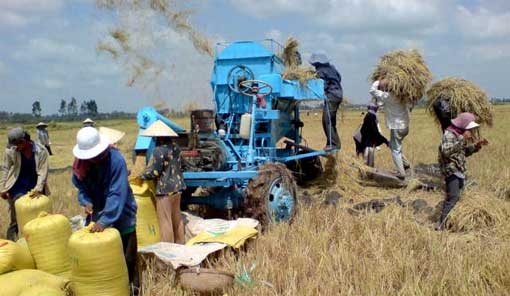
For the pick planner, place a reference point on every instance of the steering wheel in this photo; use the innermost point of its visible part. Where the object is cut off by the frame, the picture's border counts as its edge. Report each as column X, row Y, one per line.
column 238, row 74
column 253, row 87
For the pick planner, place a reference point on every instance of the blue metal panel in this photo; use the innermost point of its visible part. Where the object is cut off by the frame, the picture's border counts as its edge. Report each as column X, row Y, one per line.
column 220, row 175
column 306, row 155
column 313, row 90
column 267, row 114
column 148, row 115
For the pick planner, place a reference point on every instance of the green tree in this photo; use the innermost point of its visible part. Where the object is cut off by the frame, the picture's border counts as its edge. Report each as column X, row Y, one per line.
column 63, row 107
column 72, row 107
column 36, row 108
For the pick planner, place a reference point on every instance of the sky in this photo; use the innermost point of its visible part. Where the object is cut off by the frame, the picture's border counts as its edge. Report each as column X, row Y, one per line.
column 48, row 47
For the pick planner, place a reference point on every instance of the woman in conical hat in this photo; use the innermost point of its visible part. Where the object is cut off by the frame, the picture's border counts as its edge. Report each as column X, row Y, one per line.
column 165, row 170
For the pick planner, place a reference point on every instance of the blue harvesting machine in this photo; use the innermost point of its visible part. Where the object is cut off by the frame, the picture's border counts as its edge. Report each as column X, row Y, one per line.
column 247, row 154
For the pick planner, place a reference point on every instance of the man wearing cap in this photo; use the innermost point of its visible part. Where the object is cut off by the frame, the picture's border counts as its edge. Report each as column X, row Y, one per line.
column 88, row 123
column 25, row 168
column 334, row 95
column 43, row 137
column 100, row 174
column 455, row 146
column 166, row 171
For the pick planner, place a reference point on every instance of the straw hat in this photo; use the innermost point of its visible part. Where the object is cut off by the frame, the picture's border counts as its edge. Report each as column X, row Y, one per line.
column 88, row 120
column 111, row 134
column 90, row 143
column 41, row 124
column 159, row 129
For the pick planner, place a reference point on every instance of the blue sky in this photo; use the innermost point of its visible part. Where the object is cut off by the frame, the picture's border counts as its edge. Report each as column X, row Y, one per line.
column 47, row 47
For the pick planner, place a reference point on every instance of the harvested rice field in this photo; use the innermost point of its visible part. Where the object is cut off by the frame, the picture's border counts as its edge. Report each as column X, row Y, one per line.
column 341, row 245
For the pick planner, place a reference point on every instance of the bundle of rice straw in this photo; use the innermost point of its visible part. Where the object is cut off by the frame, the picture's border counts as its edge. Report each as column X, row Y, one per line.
column 477, row 211
column 292, row 61
column 406, row 72
column 463, row 96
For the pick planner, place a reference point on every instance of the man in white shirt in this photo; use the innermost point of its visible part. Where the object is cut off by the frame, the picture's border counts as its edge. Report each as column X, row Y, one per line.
column 397, row 121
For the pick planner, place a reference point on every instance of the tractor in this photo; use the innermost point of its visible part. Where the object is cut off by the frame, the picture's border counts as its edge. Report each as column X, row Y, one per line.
column 247, row 153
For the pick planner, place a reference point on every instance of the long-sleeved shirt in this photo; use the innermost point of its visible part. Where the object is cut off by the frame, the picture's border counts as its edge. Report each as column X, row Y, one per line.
column 11, row 168
column 397, row 113
column 106, row 187
column 332, row 81
column 166, row 168
column 452, row 154
column 43, row 137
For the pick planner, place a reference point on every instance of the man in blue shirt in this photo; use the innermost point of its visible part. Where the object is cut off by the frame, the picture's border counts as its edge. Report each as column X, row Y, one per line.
column 25, row 169
column 334, row 96
column 101, row 176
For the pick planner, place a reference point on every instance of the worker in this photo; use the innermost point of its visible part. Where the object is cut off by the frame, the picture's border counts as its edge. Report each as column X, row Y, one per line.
column 100, row 174
column 397, row 121
column 456, row 145
column 165, row 170
column 88, row 123
column 334, row 96
column 370, row 136
column 25, row 169
column 43, row 137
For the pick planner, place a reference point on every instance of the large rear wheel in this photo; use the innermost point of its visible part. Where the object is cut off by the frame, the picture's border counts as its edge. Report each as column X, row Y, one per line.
column 271, row 196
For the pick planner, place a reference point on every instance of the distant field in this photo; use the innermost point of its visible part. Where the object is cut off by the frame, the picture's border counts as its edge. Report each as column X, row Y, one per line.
column 329, row 252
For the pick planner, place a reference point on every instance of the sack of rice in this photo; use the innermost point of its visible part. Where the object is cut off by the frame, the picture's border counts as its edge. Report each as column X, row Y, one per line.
column 28, row 208
column 13, row 256
column 147, row 225
column 406, row 72
column 47, row 237
column 42, row 291
column 16, row 282
column 98, row 264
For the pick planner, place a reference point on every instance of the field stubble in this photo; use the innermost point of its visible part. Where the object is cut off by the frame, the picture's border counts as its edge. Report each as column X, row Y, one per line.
column 327, row 251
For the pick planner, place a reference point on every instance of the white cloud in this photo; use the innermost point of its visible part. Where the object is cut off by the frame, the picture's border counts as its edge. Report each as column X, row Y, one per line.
column 49, row 49
column 482, row 23
column 275, row 35
column 52, row 83
column 17, row 13
column 3, row 68
column 489, row 52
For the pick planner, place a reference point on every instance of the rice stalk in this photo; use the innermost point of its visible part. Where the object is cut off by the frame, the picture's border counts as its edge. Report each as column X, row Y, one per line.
column 462, row 96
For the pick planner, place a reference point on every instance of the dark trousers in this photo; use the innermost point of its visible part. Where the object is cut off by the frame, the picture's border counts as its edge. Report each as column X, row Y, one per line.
column 12, row 230
column 129, row 244
column 333, row 109
column 454, row 186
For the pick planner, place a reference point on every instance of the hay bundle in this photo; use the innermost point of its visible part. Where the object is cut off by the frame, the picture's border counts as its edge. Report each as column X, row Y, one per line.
column 292, row 61
column 477, row 211
column 406, row 72
column 462, row 96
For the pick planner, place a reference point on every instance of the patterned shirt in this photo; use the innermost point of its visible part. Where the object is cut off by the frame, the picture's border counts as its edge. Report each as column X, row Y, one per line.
column 166, row 168
column 452, row 154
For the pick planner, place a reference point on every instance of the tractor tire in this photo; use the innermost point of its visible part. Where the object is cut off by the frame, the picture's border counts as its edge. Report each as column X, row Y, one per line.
column 272, row 195
column 307, row 169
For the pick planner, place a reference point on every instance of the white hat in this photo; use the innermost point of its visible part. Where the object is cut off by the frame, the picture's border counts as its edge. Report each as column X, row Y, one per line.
column 319, row 57
column 90, row 143
column 88, row 120
column 111, row 134
column 40, row 124
column 472, row 125
column 159, row 129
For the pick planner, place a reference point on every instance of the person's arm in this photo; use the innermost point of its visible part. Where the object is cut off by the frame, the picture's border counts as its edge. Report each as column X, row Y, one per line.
column 42, row 170
column 473, row 148
column 4, row 172
column 156, row 168
column 83, row 199
column 117, row 195
column 379, row 95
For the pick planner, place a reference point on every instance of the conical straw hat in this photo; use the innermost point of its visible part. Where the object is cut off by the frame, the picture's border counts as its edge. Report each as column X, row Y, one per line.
column 111, row 134
column 159, row 129
column 41, row 124
column 88, row 120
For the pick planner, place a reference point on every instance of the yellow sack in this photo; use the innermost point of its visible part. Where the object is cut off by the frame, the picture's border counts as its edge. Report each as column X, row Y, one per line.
column 47, row 238
column 42, row 291
column 28, row 208
column 98, row 264
column 25, row 259
column 14, row 257
column 147, row 224
column 236, row 237
column 16, row 282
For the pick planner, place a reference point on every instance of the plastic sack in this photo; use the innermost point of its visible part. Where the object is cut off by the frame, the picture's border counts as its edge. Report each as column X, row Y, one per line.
column 16, row 282
column 235, row 237
column 42, row 291
column 47, row 237
column 24, row 259
column 14, row 257
column 98, row 264
column 28, row 208
column 147, row 224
